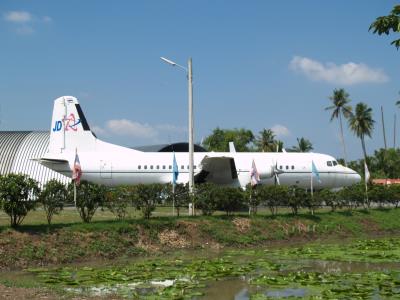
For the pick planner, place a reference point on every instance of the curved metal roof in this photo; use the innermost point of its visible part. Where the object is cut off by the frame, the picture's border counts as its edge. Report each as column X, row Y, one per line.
column 17, row 151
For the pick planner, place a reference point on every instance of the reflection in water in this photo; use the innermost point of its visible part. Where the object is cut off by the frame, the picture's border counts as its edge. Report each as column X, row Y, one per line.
column 233, row 289
column 346, row 266
column 284, row 293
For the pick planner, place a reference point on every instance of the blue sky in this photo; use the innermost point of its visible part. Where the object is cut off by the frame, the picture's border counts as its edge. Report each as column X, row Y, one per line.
column 256, row 64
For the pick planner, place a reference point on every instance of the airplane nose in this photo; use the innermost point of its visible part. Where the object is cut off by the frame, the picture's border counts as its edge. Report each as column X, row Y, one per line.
column 353, row 176
column 356, row 178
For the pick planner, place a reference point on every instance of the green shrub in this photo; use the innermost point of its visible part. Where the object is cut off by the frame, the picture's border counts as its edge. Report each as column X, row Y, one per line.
column 206, row 198
column 52, row 198
column 146, row 196
column 18, row 194
column 89, row 197
column 117, row 201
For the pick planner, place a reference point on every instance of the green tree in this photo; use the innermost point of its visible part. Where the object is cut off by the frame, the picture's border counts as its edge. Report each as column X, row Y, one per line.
column 380, row 194
column 395, row 193
column 296, row 198
column 273, row 196
column 253, row 197
column 18, row 195
column 303, row 145
column 340, row 107
column 229, row 199
column 181, row 197
column 219, row 140
column 89, row 197
column 312, row 203
column 353, row 196
column 362, row 124
column 52, row 198
column 386, row 163
column 206, row 198
column 117, row 201
column 146, row 197
column 328, row 197
column 278, row 145
column 265, row 141
column 385, row 24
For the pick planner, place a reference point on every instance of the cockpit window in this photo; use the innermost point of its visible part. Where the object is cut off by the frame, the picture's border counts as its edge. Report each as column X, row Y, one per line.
column 335, row 163
column 329, row 163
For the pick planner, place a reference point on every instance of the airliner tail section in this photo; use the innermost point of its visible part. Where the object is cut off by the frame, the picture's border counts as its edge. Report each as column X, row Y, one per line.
column 69, row 129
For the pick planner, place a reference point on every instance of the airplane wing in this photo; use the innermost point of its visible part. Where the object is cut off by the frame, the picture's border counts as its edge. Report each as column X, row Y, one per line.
column 217, row 169
column 58, row 165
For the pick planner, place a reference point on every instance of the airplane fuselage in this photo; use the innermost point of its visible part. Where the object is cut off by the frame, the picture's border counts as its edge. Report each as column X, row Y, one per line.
column 112, row 165
column 124, row 166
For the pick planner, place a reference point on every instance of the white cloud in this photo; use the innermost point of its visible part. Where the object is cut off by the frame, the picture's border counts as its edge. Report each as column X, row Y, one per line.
column 98, row 130
column 171, row 128
column 23, row 21
column 345, row 74
column 130, row 128
column 280, row 130
column 18, row 16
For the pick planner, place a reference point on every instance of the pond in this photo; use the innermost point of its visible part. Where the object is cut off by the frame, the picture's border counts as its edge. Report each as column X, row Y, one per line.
column 363, row 269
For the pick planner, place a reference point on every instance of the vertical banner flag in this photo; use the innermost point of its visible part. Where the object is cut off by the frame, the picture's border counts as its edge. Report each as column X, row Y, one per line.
column 77, row 171
column 254, row 176
column 175, row 171
column 315, row 171
column 367, row 175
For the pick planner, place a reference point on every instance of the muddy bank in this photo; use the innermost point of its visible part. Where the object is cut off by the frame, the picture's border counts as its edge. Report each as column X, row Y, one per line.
column 31, row 246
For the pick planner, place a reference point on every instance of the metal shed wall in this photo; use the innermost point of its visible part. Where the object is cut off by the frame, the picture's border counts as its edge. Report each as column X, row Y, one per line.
column 18, row 148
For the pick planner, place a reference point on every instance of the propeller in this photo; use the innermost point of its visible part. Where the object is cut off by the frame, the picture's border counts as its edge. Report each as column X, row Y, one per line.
column 276, row 172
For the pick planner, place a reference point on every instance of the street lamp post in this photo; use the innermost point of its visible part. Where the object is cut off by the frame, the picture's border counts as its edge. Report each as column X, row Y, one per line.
column 190, row 122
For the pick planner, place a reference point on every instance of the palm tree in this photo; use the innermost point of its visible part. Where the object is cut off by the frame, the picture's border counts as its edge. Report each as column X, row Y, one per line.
column 303, row 145
column 362, row 124
column 265, row 142
column 278, row 146
column 340, row 100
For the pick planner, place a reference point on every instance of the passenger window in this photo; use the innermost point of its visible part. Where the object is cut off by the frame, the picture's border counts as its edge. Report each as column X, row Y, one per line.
column 163, row 167
column 287, row 167
column 145, row 166
column 194, row 167
column 188, row 167
column 139, row 167
column 170, row 167
column 335, row 163
column 182, row 167
column 329, row 163
column 292, row 167
column 151, row 167
column 281, row 167
column 157, row 167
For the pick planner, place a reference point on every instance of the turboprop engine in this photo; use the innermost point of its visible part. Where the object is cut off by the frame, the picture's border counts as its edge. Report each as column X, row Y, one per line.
column 265, row 170
column 268, row 170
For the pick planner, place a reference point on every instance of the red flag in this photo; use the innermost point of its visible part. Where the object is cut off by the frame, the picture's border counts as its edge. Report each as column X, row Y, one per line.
column 77, row 171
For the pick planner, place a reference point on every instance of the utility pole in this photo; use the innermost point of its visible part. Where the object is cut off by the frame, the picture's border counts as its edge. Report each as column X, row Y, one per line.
column 383, row 128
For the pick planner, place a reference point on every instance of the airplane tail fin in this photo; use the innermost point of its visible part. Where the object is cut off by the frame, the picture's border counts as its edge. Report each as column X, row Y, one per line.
column 69, row 129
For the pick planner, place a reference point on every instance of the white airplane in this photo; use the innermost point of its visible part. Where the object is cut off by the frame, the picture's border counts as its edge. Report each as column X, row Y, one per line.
column 112, row 165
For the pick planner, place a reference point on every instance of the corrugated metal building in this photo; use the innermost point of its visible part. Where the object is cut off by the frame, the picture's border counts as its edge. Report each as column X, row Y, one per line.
column 18, row 148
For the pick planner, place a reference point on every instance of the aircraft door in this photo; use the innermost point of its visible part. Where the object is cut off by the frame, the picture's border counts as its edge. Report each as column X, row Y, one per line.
column 105, row 169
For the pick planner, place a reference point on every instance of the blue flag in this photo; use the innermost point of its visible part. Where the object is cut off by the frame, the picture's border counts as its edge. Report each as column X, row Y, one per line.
column 175, row 171
column 315, row 171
